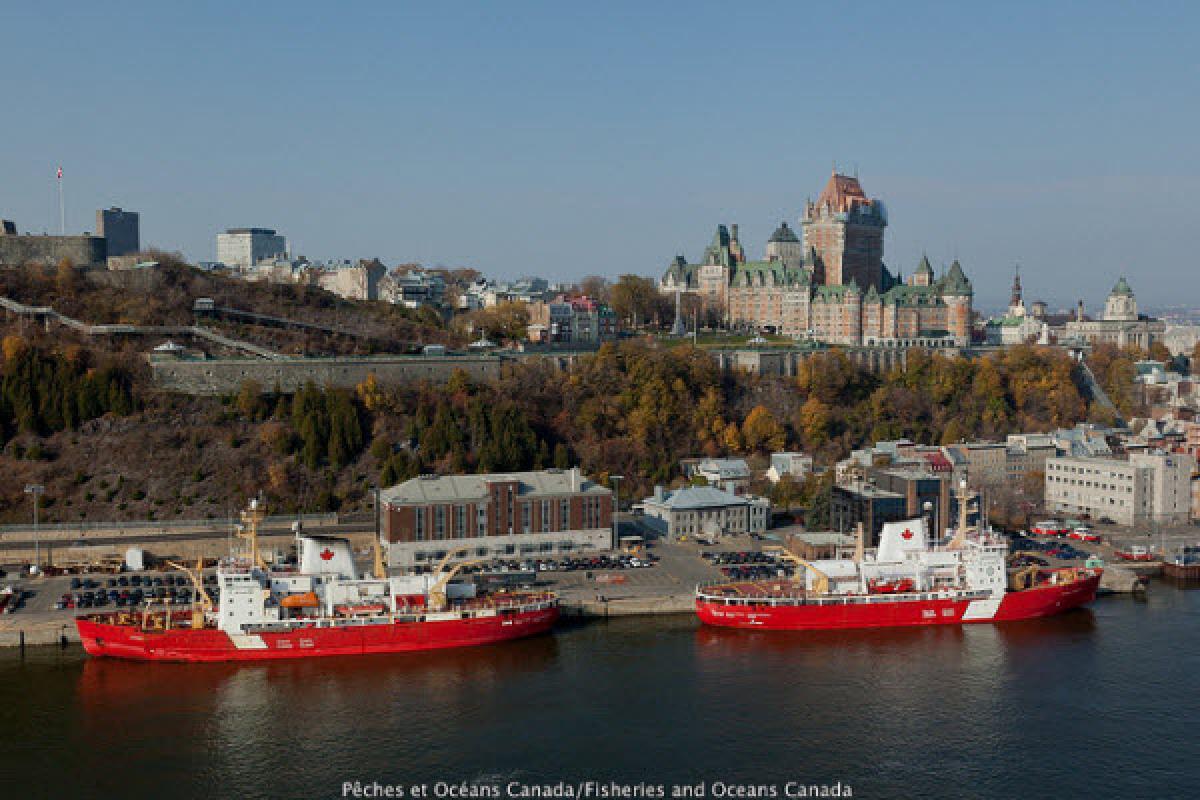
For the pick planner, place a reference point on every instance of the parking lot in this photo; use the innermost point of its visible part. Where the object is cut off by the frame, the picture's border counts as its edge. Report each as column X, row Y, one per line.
column 50, row 603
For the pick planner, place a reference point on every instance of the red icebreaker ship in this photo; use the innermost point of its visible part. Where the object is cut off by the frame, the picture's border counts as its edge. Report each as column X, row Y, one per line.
column 905, row 581
column 319, row 609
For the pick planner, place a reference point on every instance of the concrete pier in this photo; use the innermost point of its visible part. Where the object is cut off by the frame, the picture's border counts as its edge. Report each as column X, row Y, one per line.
column 1120, row 580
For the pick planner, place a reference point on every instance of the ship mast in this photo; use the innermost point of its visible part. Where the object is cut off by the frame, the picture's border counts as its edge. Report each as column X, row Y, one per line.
column 960, row 533
column 248, row 530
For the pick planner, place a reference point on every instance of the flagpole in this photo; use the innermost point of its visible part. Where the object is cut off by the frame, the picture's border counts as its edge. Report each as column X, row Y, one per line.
column 62, row 207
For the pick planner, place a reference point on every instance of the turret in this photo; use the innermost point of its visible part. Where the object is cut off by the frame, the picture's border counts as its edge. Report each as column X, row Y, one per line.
column 924, row 274
column 956, row 294
column 785, row 246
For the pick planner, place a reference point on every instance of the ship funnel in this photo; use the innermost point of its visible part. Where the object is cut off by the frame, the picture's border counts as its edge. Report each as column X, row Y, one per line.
column 326, row 555
column 898, row 539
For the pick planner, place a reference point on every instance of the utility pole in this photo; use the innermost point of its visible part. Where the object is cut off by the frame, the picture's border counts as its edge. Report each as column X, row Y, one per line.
column 36, row 489
column 378, row 518
column 615, row 480
column 62, row 207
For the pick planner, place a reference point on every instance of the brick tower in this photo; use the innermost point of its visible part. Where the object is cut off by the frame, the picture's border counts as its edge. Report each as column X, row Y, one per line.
column 845, row 229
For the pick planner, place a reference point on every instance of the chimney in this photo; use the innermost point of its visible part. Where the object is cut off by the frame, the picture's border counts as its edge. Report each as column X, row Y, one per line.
column 574, row 479
column 658, row 493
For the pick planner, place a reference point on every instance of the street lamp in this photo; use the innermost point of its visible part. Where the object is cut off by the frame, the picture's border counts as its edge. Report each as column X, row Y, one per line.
column 615, row 480
column 37, row 490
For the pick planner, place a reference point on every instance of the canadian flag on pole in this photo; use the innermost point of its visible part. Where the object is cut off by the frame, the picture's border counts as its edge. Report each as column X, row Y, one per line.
column 60, row 173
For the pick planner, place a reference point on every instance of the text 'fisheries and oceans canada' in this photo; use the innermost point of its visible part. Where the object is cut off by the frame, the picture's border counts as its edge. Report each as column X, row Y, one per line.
column 596, row 790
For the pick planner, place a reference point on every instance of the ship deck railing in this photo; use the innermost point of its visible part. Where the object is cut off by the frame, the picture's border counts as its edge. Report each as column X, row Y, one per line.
column 801, row 597
column 505, row 605
column 537, row 603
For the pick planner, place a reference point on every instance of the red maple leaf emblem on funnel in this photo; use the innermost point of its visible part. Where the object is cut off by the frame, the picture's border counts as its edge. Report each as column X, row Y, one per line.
column 326, row 554
column 907, row 534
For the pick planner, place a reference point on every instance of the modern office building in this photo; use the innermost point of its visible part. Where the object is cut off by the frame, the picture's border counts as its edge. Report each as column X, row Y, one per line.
column 865, row 503
column 120, row 231
column 1146, row 488
column 243, row 248
column 926, row 492
column 515, row 514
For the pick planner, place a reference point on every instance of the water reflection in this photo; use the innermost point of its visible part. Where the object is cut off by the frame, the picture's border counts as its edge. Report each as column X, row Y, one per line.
column 1095, row 702
column 231, row 722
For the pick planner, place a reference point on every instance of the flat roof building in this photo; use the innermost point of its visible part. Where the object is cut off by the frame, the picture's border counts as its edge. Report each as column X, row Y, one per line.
column 120, row 230
column 243, row 248
column 1146, row 488
column 513, row 514
column 867, row 504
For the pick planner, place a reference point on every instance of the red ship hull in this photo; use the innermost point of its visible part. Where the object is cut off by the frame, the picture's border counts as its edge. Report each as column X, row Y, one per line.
column 102, row 638
column 897, row 610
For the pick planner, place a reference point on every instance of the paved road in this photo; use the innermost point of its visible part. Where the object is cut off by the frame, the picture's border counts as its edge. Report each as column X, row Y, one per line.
column 25, row 541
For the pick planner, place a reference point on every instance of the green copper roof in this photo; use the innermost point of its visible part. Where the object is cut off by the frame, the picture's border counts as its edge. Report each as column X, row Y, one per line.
column 783, row 234
column 924, row 268
column 762, row 273
column 1006, row 322
column 833, row 292
column 955, row 283
column 905, row 295
column 1122, row 287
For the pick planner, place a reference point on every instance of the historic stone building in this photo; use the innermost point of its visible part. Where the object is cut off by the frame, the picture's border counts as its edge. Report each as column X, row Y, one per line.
column 833, row 285
column 1120, row 324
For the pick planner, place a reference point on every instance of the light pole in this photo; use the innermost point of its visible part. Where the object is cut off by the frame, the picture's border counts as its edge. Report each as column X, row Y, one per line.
column 615, row 480
column 927, row 507
column 36, row 489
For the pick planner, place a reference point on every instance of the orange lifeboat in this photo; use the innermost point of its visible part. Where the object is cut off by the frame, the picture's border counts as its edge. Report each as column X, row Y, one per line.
column 305, row 600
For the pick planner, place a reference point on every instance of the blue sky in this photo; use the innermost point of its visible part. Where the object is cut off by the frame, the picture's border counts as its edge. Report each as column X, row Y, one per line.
column 565, row 139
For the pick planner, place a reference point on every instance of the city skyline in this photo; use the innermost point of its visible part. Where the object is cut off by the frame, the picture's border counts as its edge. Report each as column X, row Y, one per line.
column 366, row 134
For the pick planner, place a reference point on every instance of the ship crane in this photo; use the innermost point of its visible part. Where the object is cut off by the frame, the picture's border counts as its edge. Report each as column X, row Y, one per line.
column 437, row 593
column 820, row 579
column 203, row 602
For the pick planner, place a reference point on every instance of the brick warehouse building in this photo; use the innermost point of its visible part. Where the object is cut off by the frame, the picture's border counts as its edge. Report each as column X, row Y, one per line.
column 833, row 285
column 515, row 514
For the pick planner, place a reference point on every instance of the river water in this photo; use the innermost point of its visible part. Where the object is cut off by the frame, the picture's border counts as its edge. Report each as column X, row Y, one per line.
column 1098, row 703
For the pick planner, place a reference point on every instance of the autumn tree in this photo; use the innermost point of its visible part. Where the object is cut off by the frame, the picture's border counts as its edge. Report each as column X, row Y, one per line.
column 1158, row 352
column 761, row 431
column 66, row 278
column 637, row 299
column 595, row 287
column 506, row 321
column 249, row 400
column 814, row 423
